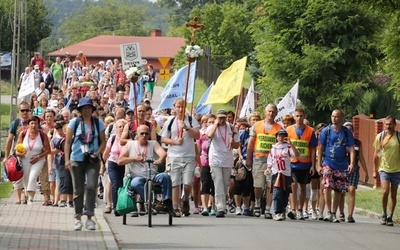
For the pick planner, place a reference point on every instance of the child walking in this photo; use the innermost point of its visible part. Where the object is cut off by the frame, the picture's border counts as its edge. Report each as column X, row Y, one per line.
column 279, row 164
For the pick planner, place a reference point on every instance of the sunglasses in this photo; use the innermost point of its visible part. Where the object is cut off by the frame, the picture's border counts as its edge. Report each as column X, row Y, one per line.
column 25, row 110
column 144, row 133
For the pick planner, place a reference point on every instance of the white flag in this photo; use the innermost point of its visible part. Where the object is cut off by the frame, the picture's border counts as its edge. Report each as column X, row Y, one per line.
column 288, row 104
column 248, row 104
column 27, row 86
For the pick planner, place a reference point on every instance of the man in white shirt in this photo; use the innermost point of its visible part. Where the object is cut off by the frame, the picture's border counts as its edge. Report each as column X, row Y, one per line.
column 42, row 92
column 180, row 136
column 224, row 138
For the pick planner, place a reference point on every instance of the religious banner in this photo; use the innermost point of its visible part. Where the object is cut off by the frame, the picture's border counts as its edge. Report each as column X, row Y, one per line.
column 202, row 109
column 130, row 55
column 27, row 86
column 288, row 104
column 228, row 84
column 249, row 105
column 176, row 87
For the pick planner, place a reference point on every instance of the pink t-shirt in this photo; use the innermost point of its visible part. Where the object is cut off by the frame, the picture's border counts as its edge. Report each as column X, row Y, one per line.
column 203, row 141
column 115, row 149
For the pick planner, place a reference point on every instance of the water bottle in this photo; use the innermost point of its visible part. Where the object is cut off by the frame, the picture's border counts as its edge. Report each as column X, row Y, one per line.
column 197, row 173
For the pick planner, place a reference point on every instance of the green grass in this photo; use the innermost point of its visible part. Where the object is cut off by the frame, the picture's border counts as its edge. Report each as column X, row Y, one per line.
column 5, row 88
column 370, row 200
column 5, row 189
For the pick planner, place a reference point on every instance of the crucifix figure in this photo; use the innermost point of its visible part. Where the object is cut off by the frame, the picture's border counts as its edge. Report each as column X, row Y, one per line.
column 194, row 26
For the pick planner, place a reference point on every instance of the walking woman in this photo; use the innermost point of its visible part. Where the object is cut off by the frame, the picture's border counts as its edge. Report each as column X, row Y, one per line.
column 84, row 142
column 37, row 146
column 115, row 172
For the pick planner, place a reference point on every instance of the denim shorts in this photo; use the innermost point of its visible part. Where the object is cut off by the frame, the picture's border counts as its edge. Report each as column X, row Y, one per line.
column 393, row 178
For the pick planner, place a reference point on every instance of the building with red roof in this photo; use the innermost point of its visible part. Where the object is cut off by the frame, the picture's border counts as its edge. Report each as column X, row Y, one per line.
column 158, row 50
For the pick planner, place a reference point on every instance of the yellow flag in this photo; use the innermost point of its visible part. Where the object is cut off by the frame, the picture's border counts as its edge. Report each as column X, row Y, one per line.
column 228, row 84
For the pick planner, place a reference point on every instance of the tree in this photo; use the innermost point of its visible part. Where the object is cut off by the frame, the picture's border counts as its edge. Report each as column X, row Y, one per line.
column 38, row 24
column 225, row 31
column 329, row 45
column 110, row 17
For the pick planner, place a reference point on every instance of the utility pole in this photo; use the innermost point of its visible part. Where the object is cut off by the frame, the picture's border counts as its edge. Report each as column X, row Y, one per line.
column 19, row 21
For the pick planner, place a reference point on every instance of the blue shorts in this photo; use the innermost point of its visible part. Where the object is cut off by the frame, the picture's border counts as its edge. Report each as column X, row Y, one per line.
column 393, row 178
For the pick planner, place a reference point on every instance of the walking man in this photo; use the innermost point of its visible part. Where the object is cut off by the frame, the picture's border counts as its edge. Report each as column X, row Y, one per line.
column 262, row 137
column 387, row 165
column 180, row 135
column 304, row 139
column 334, row 141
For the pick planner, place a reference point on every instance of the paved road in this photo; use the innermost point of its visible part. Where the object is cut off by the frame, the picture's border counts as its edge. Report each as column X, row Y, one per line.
column 239, row 232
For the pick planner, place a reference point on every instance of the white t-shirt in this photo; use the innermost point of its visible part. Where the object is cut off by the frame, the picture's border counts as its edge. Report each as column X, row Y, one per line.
column 220, row 155
column 141, row 168
column 279, row 158
column 187, row 148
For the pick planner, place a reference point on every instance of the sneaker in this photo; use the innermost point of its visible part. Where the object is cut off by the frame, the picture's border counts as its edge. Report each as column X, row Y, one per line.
column 108, row 209
column 25, row 202
column 78, row 225
column 257, row 212
column 238, row 211
column 30, row 202
column 268, row 216
column 350, row 219
column 342, row 217
column 321, row 216
column 70, row 204
column 185, row 208
column 314, row 215
column 300, row 215
column 291, row 215
column 213, row 212
column 389, row 221
column 220, row 214
column 90, row 225
column 205, row 212
column 62, row 204
column 284, row 215
column 305, row 215
column 383, row 220
column 196, row 210
column 278, row 217
column 329, row 217
column 334, row 219
column 246, row 212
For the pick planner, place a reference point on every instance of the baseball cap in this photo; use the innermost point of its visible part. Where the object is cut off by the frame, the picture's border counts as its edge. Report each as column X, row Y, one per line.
column 282, row 132
column 128, row 111
column 220, row 113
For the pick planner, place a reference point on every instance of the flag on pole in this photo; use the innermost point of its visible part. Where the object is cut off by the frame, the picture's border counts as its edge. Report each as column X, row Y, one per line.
column 27, row 86
column 249, row 105
column 228, row 84
column 176, row 87
column 202, row 109
column 135, row 88
column 288, row 104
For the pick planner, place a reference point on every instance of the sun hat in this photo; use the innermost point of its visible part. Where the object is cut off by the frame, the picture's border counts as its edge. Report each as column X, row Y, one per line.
column 220, row 113
column 86, row 101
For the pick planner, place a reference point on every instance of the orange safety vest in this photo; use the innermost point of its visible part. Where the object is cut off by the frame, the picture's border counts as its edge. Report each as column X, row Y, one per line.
column 302, row 144
column 264, row 140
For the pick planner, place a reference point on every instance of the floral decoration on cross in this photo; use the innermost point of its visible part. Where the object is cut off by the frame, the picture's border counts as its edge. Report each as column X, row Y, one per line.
column 134, row 72
column 193, row 51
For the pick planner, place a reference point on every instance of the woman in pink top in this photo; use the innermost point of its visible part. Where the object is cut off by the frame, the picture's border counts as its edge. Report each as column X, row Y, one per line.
column 207, row 184
column 115, row 171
